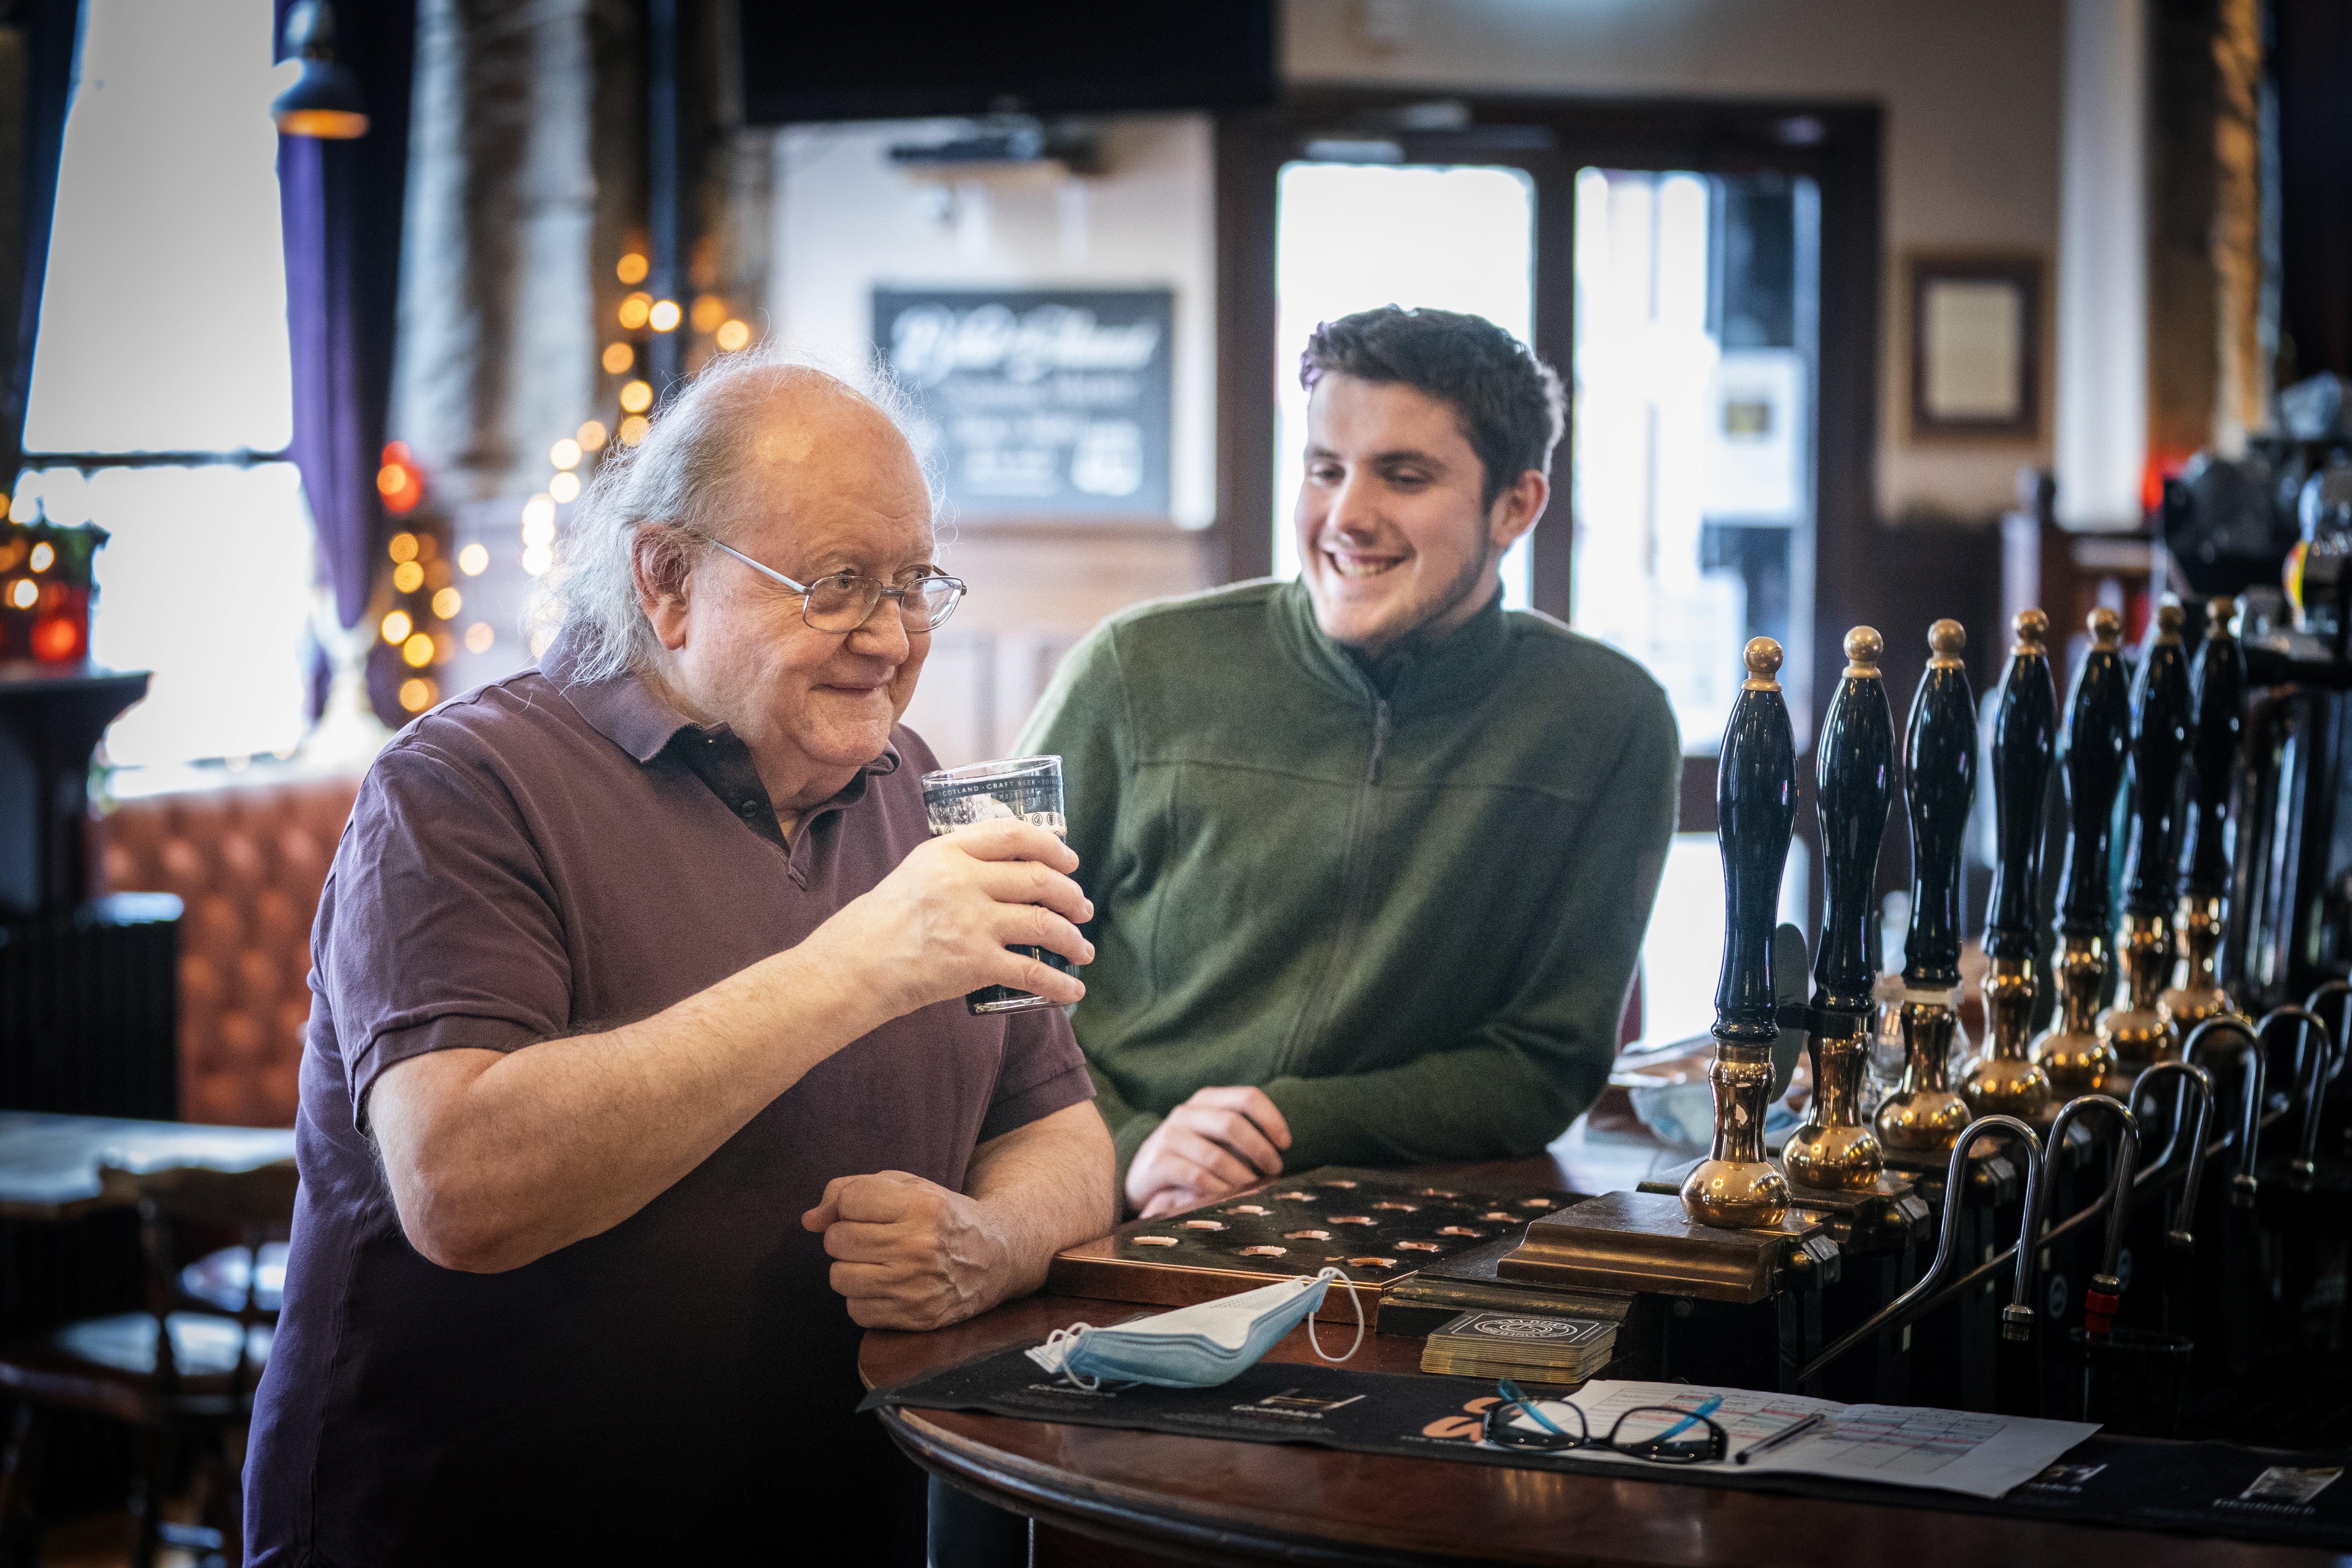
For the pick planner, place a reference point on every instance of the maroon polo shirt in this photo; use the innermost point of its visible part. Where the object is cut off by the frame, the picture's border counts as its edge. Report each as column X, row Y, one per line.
column 536, row 859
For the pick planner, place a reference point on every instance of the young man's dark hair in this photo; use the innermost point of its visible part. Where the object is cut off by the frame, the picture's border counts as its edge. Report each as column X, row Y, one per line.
column 1510, row 403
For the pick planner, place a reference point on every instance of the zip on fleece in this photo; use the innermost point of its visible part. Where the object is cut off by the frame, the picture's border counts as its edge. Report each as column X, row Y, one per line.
column 1358, row 866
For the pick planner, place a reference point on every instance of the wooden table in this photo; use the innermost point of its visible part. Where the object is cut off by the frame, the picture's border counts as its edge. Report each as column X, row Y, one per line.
column 59, row 1167
column 1102, row 1496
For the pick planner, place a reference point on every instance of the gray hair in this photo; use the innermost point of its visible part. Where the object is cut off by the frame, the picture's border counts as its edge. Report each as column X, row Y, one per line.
column 681, row 477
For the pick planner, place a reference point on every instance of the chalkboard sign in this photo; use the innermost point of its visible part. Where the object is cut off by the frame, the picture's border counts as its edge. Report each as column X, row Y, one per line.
column 1036, row 403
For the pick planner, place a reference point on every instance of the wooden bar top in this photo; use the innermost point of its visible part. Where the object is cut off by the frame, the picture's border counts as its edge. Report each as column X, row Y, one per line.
column 1158, row 1497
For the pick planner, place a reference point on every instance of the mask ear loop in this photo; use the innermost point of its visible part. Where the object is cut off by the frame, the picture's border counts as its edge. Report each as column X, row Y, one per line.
column 1070, row 1337
column 1354, row 1301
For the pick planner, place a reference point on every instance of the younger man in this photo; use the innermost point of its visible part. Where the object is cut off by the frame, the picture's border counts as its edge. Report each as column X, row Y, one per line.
column 1370, row 856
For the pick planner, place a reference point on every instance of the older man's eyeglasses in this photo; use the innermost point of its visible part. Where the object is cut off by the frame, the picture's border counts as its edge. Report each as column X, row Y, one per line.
column 844, row 601
column 1662, row 1434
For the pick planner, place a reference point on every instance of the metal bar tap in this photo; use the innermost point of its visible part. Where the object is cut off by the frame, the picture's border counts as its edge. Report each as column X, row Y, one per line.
column 2091, row 759
column 1735, row 1188
column 2004, row 1079
column 2216, row 723
column 2136, row 1028
column 1853, row 778
column 1924, row 1115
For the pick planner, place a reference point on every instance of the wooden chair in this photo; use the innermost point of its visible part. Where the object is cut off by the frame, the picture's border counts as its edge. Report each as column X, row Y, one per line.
column 182, row 1378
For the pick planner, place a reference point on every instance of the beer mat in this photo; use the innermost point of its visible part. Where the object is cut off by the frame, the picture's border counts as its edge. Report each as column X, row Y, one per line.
column 2199, row 1489
column 1378, row 1226
column 1526, row 1336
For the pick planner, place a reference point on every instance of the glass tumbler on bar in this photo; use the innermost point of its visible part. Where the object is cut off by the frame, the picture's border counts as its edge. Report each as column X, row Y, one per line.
column 1024, row 789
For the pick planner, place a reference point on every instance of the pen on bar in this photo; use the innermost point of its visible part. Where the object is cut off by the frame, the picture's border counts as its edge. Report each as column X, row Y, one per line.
column 1788, row 1433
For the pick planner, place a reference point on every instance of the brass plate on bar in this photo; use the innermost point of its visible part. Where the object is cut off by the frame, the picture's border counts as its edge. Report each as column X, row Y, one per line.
column 1640, row 1241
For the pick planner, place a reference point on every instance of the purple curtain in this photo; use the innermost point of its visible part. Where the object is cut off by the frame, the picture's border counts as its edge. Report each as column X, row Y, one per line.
column 341, row 204
column 49, row 53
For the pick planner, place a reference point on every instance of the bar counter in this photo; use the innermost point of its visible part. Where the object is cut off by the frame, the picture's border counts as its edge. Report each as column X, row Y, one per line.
column 1104, row 1496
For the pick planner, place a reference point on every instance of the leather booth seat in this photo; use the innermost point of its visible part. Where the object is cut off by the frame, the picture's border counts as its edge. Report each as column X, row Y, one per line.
column 248, row 865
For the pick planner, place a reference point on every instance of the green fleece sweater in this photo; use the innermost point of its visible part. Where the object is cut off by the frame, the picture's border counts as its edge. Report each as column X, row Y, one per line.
column 1407, row 908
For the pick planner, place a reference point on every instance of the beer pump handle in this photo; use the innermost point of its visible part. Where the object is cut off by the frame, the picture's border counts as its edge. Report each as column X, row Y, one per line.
column 2160, row 711
column 1940, row 765
column 2217, row 718
column 1755, row 803
column 2099, row 722
column 1854, row 779
column 2024, row 734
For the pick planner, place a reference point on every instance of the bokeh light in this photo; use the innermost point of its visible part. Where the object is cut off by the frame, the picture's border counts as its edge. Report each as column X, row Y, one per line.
column 631, row 268
column 539, row 519
column 417, row 650
column 634, row 428
column 474, row 560
column 637, row 396
column 402, row 547
column 447, row 603
column 732, row 335
column 564, row 454
column 565, row 488
column 633, row 312
column 407, row 578
column 618, row 357
column 45, row 555
column 23, row 593
column 663, row 316
column 397, row 626
column 536, row 559
column 592, row 434
column 710, row 310
column 417, row 695
column 480, row 637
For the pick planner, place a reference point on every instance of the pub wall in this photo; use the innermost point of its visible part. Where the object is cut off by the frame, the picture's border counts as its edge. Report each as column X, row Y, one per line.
column 846, row 221
column 1972, row 94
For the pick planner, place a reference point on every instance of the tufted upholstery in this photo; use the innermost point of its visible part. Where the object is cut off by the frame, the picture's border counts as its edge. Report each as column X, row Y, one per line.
column 248, row 864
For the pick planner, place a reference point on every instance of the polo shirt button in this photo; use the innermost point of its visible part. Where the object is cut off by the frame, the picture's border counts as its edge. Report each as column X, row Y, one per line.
column 750, row 808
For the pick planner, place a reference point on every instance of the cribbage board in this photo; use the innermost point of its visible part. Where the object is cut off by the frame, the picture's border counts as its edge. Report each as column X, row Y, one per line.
column 1379, row 1226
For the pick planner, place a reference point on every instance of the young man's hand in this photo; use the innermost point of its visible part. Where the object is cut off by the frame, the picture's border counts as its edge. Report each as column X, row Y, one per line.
column 1219, row 1141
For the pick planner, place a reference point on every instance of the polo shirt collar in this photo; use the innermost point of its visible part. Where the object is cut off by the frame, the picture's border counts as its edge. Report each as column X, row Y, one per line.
column 628, row 710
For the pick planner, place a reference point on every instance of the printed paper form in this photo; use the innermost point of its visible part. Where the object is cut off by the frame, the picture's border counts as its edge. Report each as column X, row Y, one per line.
column 1946, row 1450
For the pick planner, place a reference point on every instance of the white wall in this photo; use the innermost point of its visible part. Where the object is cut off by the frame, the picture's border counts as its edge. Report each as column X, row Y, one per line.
column 1972, row 94
column 847, row 221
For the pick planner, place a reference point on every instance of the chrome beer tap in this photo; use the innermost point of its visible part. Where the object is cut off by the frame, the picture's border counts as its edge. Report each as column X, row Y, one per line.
column 2136, row 1028
column 2219, row 681
column 1924, row 1115
column 1853, row 781
column 2004, row 1080
column 1735, row 1188
column 2098, row 719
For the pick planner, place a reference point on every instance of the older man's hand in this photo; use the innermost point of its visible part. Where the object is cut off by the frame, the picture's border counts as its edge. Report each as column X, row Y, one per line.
column 911, row 1254
column 943, row 923
column 1219, row 1141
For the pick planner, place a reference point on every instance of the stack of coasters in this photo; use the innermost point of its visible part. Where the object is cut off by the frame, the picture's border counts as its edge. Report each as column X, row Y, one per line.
column 1524, row 1346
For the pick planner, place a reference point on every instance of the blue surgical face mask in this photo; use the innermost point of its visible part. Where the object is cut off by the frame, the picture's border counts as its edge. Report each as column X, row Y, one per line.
column 1193, row 1347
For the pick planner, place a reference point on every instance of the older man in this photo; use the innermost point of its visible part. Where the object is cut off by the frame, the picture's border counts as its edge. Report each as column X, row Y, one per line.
column 1373, row 855
column 639, row 1073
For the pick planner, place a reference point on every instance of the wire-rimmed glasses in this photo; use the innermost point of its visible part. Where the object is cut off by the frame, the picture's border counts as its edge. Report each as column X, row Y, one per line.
column 843, row 600
column 1659, row 1432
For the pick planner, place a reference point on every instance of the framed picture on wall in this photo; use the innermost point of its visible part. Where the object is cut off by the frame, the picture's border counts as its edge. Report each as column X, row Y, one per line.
column 1976, row 346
